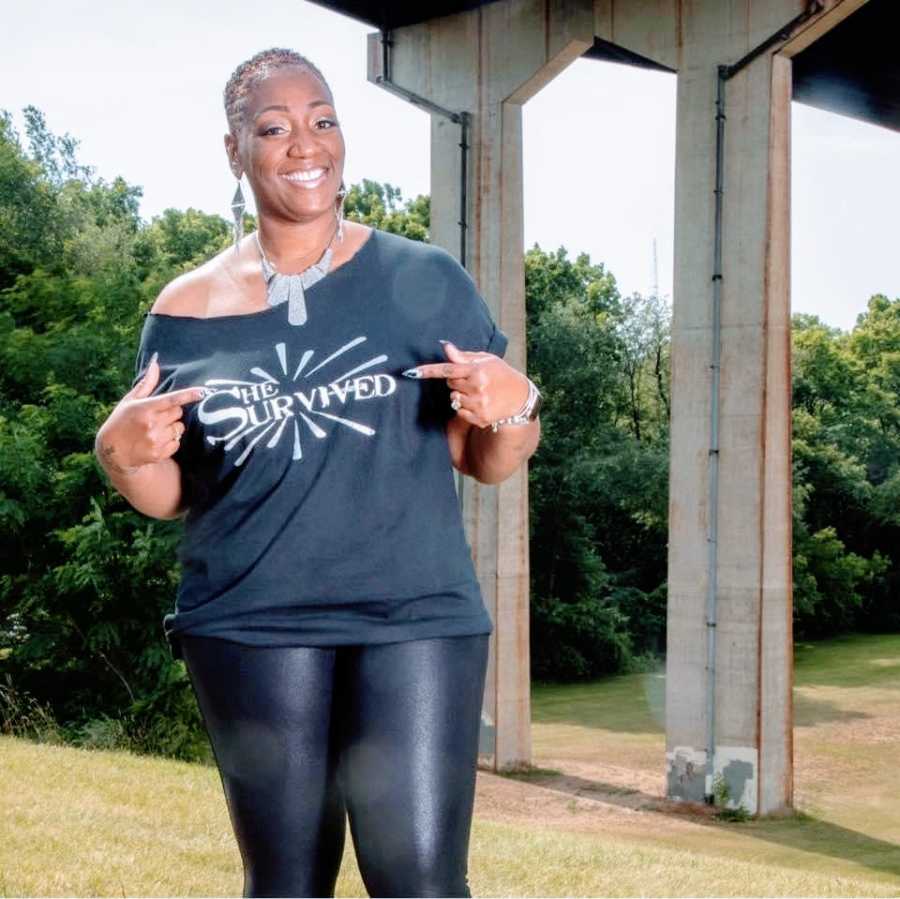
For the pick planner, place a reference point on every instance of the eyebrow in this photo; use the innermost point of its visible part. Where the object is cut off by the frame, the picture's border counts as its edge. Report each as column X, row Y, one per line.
column 311, row 105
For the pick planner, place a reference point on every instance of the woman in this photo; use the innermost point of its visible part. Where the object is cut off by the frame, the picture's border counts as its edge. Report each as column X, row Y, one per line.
column 328, row 612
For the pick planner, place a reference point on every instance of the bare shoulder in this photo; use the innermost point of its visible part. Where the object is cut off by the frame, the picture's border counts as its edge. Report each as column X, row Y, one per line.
column 190, row 293
column 220, row 285
column 185, row 295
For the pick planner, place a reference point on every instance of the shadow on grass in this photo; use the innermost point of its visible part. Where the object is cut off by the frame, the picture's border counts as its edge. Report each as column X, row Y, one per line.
column 799, row 831
column 810, row 712
column 807, row 833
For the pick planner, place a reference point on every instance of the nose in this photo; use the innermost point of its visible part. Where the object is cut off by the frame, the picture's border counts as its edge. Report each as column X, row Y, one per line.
column 303, row 143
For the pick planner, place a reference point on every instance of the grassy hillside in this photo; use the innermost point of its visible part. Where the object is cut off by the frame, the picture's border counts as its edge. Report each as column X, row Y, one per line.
column 594, row 823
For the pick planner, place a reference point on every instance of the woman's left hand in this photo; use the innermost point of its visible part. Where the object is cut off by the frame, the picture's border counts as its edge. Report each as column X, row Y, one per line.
column 484, row 386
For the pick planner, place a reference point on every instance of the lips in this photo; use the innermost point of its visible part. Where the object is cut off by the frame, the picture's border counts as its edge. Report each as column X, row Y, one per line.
column 306, row 177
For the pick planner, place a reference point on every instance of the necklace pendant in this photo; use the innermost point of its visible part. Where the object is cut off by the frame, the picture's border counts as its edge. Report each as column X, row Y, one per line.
column 296, row 302
column 290, row 289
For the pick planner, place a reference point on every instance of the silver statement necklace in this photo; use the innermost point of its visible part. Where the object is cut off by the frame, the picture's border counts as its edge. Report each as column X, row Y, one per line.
column 291, row 289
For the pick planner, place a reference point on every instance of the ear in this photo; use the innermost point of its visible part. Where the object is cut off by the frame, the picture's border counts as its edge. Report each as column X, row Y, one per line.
column 231, row 149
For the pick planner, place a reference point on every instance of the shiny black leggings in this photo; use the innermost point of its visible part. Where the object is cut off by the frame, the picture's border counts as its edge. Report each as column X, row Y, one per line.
column 387, row 734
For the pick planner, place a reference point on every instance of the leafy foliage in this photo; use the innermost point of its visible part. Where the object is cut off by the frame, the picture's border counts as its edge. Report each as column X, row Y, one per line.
column 847, row 472
column 382, row 207
column 598, row 482
column 85, row 580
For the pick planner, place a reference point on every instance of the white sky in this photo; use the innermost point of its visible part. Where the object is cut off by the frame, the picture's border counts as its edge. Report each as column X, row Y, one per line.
column 140, row 86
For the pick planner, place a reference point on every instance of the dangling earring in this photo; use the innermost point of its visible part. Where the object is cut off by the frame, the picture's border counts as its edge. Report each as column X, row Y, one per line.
column 342, row 193
column 238, row 204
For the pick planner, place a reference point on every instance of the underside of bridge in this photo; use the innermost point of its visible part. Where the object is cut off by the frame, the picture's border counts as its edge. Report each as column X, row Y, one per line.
column 472, row 66
column 853, row 69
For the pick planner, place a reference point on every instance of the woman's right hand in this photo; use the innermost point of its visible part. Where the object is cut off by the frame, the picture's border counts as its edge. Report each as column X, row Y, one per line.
column 142, row 429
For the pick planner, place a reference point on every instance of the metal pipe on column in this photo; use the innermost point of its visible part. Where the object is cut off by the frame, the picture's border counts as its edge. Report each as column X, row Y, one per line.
column 463, row 119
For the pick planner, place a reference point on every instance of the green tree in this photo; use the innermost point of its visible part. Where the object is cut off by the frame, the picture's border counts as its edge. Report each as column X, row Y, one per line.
column 846, row 450
column 84, row 579
column 597, row 486
column 382, row 207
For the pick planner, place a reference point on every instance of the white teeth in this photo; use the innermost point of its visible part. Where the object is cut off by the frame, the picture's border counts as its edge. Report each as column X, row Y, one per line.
column 311, row 175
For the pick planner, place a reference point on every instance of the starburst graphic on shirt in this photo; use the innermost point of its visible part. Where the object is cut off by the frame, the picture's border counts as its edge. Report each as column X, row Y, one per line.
column 269, row 404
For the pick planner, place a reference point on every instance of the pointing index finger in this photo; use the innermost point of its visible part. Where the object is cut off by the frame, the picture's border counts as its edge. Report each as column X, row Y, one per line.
column 439, row 370
column 180, row 397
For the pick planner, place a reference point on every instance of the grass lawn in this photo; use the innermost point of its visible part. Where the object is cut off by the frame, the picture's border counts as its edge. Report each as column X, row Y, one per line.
column 591, row 820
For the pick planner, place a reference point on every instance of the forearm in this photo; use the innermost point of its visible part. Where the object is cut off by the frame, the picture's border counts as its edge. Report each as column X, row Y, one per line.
column 492, row 456
column 154, row 490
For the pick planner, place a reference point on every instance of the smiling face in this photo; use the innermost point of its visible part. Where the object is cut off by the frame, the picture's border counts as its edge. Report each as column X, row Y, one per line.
column 290, row 146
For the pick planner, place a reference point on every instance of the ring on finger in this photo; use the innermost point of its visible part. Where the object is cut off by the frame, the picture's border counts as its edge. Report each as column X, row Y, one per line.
column 177, row 434
column 455, row 402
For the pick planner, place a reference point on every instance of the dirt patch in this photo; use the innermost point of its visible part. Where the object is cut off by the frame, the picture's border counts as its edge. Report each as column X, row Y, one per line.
column 585, row 797
column 589, row 796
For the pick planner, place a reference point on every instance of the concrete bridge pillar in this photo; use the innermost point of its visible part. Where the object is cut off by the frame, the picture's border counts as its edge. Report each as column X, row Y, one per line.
column 751, row 689
column 488, row 62
column 753, row 646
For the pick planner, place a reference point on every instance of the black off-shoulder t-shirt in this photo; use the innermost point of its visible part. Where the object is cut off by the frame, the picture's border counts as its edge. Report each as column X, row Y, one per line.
column 322, row 507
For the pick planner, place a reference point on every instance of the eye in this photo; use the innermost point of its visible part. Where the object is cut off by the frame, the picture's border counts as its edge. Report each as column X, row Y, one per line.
column 331, row 123
column 271, row 129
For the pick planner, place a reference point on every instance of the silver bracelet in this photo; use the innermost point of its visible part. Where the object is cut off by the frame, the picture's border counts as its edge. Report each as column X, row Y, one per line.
column 526, row 414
